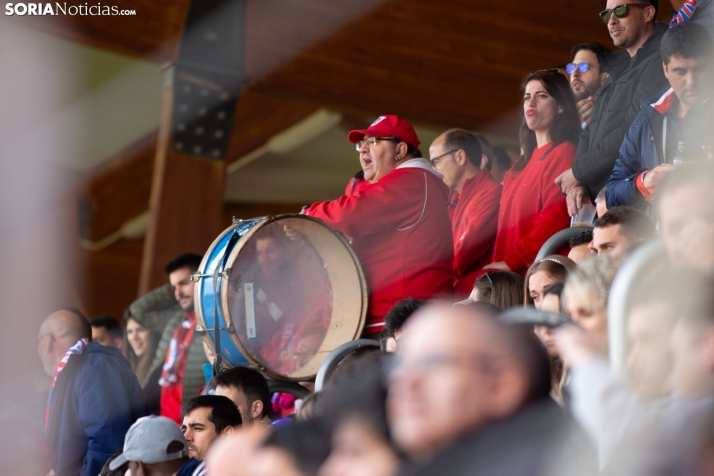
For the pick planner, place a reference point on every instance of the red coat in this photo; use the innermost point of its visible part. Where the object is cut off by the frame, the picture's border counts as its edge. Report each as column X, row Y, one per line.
column 474, row 223
column 532, row 207
column 399, row 228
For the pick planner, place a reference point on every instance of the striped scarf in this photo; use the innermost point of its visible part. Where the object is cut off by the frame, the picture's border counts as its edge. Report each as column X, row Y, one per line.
column 177, row 353
column 76, row 348
column 685, row 13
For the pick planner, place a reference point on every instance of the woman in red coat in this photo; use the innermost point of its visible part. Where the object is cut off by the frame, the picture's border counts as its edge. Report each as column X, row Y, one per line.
column 532, row 207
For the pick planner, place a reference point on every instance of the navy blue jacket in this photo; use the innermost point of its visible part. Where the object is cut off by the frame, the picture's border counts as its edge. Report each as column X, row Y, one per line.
column 94, row 402
column 642, row 147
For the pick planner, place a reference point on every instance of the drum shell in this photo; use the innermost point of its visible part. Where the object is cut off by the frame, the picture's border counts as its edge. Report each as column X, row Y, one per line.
column 232, row 349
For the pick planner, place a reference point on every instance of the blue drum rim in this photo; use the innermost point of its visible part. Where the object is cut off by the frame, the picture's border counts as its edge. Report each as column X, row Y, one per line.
column 236, row 357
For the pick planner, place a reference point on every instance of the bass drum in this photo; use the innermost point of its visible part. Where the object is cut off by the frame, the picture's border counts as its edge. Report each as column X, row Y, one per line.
column 285, row 290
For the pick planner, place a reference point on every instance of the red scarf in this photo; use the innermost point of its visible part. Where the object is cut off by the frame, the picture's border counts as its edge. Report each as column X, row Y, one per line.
column 177, row 353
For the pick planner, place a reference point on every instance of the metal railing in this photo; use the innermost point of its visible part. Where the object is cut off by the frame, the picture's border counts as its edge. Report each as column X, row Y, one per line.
column 559, row 239
column 335, row 357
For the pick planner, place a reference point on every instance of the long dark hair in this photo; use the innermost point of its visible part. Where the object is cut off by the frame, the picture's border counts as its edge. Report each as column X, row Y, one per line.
column 565, row 128
column 140, row 365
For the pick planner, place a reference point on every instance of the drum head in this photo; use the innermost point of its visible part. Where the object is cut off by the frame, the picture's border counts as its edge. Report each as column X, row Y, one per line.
column 295, row 291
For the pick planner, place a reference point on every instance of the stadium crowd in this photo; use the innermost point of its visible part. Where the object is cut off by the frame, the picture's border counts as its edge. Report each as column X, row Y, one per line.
column 492, row 360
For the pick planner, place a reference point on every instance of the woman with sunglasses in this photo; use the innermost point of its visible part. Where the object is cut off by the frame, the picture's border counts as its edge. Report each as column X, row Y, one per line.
column 532, row 207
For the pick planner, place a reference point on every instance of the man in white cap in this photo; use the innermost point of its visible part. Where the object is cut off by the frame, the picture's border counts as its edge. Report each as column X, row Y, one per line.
column 398, row 222
column 155, row 446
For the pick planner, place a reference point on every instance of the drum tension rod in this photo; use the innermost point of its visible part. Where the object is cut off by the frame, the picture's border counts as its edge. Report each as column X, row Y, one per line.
column 200, row 330
column 198, row 275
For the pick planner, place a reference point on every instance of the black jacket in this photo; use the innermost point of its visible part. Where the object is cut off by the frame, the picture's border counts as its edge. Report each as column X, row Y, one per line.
column 617, row 104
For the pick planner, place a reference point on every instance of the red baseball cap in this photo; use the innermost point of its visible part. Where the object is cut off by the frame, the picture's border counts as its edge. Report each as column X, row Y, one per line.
column 386, row 126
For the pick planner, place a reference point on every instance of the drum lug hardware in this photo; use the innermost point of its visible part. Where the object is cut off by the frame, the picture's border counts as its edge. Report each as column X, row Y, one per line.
column 200, row 330
column 195, row 277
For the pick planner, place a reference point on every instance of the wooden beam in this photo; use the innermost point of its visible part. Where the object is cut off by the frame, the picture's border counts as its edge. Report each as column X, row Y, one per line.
column 259, row 117
column 186, row 204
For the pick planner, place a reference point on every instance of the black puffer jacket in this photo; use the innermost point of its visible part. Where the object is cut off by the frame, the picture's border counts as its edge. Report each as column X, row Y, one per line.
column 617, row 104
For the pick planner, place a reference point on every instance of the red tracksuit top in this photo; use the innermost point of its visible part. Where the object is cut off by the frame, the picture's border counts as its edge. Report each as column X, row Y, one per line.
column 474, row 223
column 399, row 228
column 532, row 207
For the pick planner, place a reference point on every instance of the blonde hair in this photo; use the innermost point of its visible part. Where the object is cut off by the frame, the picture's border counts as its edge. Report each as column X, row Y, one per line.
column 590, row 283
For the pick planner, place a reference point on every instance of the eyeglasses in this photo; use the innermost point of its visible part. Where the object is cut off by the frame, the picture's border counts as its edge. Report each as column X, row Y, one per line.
column 620, row 11
column 582, row 67
column 373, row 141
column 436, row 159
column 477, row 361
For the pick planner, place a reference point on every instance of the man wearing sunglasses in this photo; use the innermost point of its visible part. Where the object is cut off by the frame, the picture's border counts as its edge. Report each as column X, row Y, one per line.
column 398, row 223
column 634, row 73
column 681, row 111
column 475, row 200
column 586, row 77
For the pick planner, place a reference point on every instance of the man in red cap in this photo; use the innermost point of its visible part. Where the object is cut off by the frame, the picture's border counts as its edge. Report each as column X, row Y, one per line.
column 397, row 223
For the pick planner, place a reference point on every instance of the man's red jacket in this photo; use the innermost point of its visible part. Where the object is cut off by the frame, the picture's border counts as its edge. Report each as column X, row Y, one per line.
column 400, row 230
column 474, row 222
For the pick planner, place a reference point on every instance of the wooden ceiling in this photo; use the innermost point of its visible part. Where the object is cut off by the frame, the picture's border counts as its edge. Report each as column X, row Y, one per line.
column 452, row 63
column 446, row 63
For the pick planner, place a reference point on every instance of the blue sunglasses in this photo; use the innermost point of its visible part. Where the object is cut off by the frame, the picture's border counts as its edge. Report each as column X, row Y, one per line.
column 582, row 67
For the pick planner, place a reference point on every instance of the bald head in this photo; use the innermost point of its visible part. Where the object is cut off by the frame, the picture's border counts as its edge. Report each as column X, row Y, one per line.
column 58, row 332
column 460, row 370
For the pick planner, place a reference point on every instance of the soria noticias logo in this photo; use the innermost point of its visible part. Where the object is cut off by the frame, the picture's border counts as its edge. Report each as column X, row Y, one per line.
column 58, row 8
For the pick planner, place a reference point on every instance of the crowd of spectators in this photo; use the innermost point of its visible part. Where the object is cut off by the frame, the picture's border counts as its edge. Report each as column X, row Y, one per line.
column 491, row 360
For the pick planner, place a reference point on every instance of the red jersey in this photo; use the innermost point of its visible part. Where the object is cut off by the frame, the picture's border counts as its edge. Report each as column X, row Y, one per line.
column 474, row 223
column 532, row 206
column 399, row 228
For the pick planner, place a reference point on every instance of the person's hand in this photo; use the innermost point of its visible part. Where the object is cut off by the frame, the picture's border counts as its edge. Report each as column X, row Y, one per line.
column 656, row 175
column 500, row 266
column 574, row 345
column 567, row 181
column 585, row 109
column 576, row 198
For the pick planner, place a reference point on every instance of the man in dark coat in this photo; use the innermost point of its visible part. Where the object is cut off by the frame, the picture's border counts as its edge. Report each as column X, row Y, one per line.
column 680, row 112
column 634, row 73
column 94, row 396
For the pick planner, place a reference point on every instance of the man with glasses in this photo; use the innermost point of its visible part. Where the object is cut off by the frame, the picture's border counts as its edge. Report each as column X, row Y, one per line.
column 398, row 223
column 475, row 199
column 634, row 73
column 681, row 111
column 94, row 396
column 586, row 77
column 469, row 394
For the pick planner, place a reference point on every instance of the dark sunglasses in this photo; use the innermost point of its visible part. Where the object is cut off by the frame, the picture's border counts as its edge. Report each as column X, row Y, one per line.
column 582, row 67
column 620, row 11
